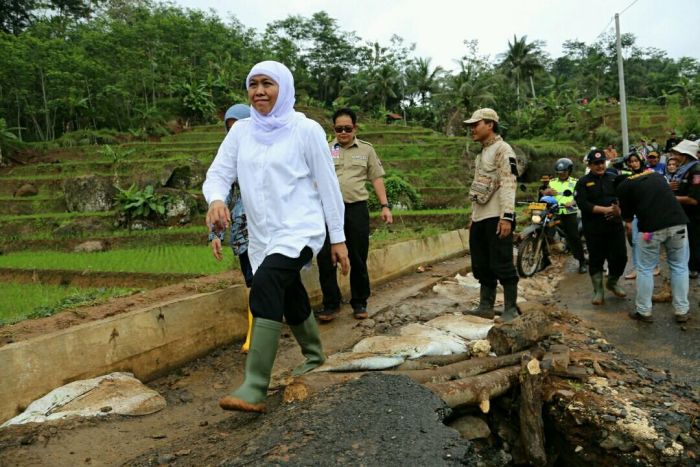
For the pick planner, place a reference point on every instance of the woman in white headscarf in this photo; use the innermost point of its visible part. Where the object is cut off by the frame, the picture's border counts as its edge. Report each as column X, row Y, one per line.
column 289, row 188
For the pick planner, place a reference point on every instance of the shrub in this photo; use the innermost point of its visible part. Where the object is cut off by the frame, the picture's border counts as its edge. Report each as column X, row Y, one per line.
column 134, row 203
column 399, row 192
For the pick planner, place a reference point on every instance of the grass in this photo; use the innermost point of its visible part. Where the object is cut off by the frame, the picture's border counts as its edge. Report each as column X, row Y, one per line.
column 26, row 301
column 388, row 234
column 55, row 215
column 175, row 259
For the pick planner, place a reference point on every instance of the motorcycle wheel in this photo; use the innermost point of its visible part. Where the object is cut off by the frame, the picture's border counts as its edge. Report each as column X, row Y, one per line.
column 528, row 261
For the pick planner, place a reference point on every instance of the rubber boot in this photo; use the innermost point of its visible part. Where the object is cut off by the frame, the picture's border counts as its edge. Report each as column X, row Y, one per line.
column 487, row 298
column 309, row 339
column 246, row 344
column 613, row 286
column 510, row 301
column 250, row 396
column 598, row 296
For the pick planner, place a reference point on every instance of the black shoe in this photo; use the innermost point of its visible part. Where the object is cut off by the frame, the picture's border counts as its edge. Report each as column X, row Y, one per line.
column 682, row 318
column 640, row 317
column 327, row 314
column 360, row 312
column 582, row 267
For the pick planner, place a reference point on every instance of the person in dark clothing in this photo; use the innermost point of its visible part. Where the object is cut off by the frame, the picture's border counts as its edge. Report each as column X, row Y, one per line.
column 661, row 221
column 686, row 184
column 602, row 226
column 671, row 142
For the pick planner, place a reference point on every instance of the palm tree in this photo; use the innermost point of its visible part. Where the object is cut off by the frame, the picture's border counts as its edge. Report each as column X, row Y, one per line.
column 385, row 83
column 471, row 89
column 420, row 80
column 522, row 61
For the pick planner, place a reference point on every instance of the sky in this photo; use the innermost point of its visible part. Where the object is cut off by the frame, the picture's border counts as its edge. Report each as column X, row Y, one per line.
column 439, row 28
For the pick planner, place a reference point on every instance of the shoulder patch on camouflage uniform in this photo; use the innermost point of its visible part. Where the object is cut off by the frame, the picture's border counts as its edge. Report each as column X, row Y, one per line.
column 513, row 165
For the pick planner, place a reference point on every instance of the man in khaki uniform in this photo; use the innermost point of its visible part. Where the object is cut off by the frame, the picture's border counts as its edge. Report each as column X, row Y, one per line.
column 493, row 220
column 355, row 163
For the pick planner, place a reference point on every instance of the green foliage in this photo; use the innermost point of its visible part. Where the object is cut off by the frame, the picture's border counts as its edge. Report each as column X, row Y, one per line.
column 163, row 258
column 135, row 203
column 399, row 192
column 115, row 154
column 28, row 301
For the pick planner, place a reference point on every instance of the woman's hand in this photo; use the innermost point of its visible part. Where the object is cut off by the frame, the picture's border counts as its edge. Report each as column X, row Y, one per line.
column 218, row 216
column 216, row 249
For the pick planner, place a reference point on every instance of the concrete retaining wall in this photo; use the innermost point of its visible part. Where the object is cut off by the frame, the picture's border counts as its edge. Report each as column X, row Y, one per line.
column 152, row 341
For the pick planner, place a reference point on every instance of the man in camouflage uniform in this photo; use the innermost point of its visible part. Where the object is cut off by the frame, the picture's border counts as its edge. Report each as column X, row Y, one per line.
column 355, row 163
column 493, row 220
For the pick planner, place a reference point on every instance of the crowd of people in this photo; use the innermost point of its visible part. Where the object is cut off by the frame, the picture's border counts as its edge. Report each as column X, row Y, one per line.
column 648, row 198
column 289, row 196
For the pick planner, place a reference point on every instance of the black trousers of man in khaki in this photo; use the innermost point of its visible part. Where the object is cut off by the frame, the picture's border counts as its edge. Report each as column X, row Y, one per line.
column 357, row 241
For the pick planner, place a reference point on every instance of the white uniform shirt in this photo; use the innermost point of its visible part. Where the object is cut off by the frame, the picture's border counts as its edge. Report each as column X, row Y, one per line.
column 289, row 189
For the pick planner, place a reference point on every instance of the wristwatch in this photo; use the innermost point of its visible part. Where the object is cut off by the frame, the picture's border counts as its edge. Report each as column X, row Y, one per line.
column 387, row 205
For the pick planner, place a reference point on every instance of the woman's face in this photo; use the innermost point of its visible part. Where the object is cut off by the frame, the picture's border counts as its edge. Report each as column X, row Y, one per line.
column 634, row 163
column 262, row 93
column 672, row 166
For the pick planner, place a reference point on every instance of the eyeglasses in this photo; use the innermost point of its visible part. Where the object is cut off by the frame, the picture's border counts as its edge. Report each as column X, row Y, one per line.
column 344, row 129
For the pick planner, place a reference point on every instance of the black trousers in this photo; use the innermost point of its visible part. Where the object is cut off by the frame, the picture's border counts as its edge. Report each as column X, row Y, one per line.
column 246, row 268
column 694, row 244
column 606, row 245
column 569, row 224
column 357, row 241
column 277, row 289
column 492, row 257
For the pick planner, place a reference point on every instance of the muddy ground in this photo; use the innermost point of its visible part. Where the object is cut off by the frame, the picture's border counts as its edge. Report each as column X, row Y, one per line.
column 390, row 422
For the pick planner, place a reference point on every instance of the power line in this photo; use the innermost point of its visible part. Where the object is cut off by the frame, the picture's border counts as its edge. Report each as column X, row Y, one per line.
column 628, row 6
column 613, row 18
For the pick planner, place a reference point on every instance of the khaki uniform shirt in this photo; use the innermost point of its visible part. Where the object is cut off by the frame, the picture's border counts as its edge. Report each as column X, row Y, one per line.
column 497, row 161
column 354, row 166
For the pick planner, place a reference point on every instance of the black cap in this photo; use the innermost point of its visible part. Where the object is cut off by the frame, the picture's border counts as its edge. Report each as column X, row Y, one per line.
column 595, row 155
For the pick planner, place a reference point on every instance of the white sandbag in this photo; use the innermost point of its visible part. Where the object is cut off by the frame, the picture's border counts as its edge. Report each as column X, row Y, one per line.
column 407, row 346
column 468, row 281
column 356, row 361
column 115, row 393
column 465, row 326
column 452, row 342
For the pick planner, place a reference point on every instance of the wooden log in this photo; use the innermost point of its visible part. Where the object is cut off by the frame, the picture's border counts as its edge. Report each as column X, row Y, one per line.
column 424, row 363
column 476, row 390
column 521, row 333
column 460, row 370
column 531, row 423
column 300, row 388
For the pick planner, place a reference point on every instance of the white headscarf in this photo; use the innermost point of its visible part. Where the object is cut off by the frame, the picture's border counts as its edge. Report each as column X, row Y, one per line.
column 269, row 128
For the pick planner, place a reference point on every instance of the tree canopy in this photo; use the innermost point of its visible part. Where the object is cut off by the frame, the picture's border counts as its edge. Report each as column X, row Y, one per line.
column 133, row 65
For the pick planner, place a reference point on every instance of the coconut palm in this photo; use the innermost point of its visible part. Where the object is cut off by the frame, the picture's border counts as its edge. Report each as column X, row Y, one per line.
column 521, row 62
column 421, row 80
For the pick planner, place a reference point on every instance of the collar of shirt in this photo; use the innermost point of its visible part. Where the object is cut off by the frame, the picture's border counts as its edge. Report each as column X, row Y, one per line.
column 335, row 141
column 491, row 141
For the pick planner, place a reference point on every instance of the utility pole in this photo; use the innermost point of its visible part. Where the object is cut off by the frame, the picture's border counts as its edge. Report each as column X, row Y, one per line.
column 623, row 96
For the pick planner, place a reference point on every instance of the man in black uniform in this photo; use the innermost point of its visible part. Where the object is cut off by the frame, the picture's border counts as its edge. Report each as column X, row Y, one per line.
column 661, row 222
column 671, row 141
column 602, row 226
column 686, row 184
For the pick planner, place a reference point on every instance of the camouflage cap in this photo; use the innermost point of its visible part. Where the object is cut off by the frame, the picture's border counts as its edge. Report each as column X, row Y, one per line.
column 482, row 114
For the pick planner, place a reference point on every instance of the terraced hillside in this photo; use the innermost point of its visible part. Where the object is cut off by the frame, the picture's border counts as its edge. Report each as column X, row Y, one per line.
column 61, row 199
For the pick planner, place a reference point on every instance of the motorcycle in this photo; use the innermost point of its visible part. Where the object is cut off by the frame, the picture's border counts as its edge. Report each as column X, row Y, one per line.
column 539, row 235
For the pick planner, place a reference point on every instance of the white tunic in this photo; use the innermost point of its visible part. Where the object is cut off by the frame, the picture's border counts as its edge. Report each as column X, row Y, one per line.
column 289, row 189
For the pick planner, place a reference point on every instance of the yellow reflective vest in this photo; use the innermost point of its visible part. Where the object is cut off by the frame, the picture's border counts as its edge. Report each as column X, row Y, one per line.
column 560, row 187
